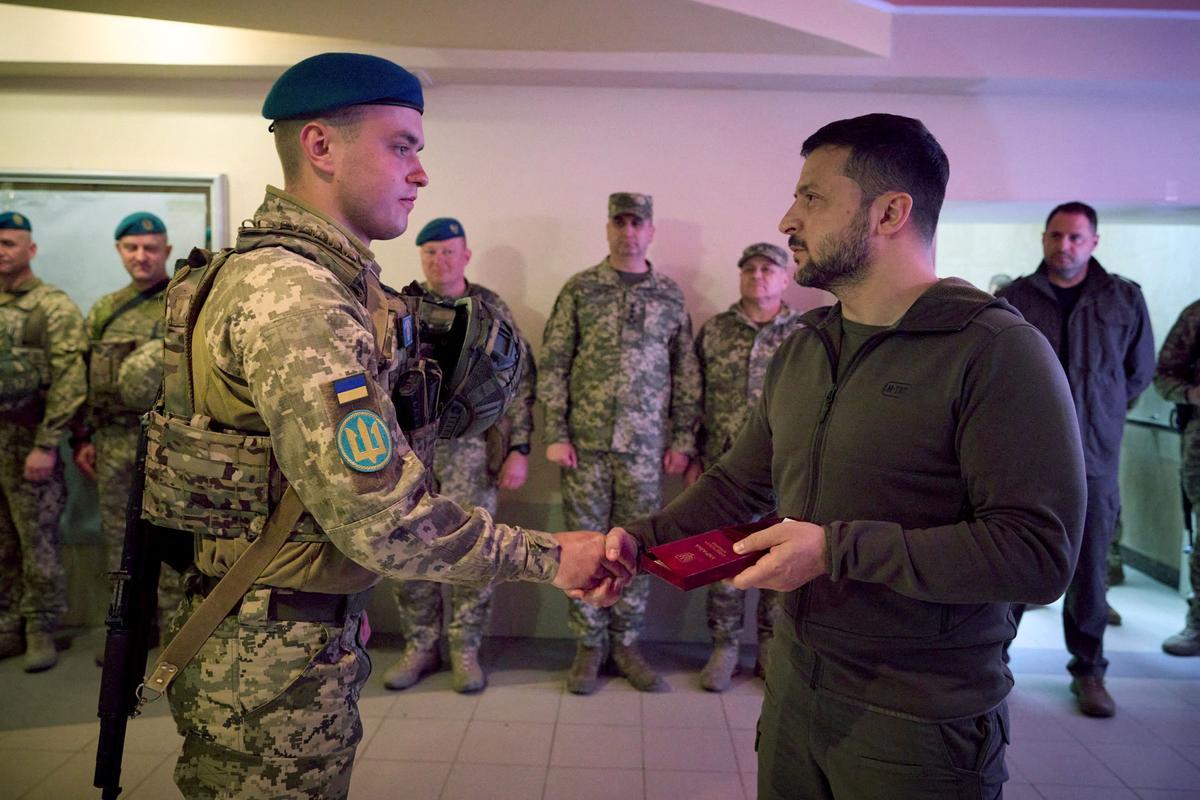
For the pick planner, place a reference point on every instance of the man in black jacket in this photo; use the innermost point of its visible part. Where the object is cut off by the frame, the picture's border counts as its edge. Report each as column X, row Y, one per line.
column 1098, row 325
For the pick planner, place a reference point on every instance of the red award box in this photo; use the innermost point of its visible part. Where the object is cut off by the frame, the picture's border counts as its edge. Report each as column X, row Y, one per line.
column 704, row 558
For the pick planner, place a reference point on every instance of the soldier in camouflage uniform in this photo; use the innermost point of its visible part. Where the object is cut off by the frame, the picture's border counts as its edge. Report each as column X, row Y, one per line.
column 734, row 348
column 1177, row 379
column 42, row 385
column 119, row 324
column 621, row 390
column 468, row 471
column 285, row 394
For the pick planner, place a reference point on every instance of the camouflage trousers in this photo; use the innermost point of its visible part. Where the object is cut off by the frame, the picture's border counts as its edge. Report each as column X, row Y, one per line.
column 460, row 473
column 116, row 454
column 1191, row 485
column 605, row 490
column 33, row 582
column 268, row 708
column 726, row 608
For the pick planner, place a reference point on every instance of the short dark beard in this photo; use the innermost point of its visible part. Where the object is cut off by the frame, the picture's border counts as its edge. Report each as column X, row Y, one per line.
column 845, row 259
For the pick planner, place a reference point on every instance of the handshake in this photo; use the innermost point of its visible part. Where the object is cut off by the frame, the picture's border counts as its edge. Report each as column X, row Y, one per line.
column 596, row 568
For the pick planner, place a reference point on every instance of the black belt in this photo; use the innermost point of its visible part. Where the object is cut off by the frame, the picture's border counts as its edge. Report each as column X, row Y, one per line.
column 292, row 605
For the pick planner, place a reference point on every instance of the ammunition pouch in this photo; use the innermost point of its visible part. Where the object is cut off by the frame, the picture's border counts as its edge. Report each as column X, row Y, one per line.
column 24, row 373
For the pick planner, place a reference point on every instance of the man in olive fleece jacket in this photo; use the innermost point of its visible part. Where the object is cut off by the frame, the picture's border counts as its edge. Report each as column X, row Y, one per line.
column 916, row 515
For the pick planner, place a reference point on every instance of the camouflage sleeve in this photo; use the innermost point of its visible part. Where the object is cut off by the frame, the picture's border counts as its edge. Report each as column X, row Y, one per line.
column 1176, row 372
column 65, row 346
column 141, row 375
column 685, row 389
column 702, row 374
column 380, row 516
column 559, row 341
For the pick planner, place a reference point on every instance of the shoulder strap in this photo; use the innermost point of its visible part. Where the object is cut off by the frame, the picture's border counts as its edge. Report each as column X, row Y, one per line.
column 34, row 334
column 224, row 596
column 131, row 303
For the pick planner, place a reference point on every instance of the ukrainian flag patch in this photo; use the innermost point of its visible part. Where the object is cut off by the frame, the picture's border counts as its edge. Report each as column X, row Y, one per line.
column 347, row 390
column 364, row 442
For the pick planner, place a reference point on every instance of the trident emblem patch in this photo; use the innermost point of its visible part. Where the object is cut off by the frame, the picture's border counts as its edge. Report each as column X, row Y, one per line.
column 364, row 442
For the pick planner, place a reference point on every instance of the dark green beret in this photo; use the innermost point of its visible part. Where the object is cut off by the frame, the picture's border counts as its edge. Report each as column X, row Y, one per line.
column 439, row 230
column 13, row 221
column 332, row 81
column 139, row 223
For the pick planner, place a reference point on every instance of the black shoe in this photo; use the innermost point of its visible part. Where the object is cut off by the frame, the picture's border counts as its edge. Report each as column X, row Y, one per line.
column 1114, row 618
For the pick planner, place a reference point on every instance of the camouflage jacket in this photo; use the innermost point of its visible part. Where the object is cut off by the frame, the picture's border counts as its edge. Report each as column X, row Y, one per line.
column 733, row 354
column 285, row 328
column 618, row 369
column 112, row 342
column 1178, row 367
column 57, row 357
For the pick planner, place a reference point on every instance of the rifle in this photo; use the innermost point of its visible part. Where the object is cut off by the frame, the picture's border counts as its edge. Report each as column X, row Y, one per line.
column 131, row 613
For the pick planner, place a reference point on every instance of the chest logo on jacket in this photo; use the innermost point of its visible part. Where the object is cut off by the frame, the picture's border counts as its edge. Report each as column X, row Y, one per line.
column 895, row 389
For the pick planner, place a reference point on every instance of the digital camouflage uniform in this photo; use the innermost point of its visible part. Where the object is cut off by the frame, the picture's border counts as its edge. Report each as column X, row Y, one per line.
column 619, row 381
column 733, row 353
column 268, row 707
column 46, row 332
column 115, row 377
column 461, row 473
column 1178, row 371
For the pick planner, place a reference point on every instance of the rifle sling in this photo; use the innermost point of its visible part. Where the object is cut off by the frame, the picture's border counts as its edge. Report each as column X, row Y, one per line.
column 132, row 303
column 225, row 595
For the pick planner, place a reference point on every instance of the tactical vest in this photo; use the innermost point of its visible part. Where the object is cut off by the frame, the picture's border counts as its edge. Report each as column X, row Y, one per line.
column 221, row 485
column 26, row 375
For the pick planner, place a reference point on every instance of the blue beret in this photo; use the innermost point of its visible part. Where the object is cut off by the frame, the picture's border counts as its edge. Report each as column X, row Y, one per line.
column 13, row 221
column 139, row 223
column 333, row 81
column 439, row 230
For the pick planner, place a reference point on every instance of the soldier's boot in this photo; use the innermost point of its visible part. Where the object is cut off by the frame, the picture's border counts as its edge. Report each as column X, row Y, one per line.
column 468, row 674
column 760, row 663
column 10, row 644
column 640, row 675
column 581, row 677
column 414, row 663
column 1114, row 617
column 722, row 664
column 40, row 653
column 1187, row 641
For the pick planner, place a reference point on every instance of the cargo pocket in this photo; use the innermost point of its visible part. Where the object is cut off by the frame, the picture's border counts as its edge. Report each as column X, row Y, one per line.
column 273, row 657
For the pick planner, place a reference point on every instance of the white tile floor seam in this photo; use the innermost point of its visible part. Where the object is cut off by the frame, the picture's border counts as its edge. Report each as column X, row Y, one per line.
column 526, row 737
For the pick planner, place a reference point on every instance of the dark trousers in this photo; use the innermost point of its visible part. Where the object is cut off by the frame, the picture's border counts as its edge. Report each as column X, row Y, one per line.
column 813, row 745
column 1085, row 609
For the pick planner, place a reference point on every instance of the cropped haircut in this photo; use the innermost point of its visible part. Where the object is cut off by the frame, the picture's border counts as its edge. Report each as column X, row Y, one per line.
column 1075, row 207
column 890, row 153
column 287, row 136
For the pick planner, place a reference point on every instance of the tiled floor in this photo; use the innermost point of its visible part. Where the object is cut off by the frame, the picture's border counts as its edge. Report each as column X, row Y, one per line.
column 524, row 737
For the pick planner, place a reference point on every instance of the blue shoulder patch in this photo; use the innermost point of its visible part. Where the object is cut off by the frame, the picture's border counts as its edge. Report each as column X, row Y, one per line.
column 364, row 442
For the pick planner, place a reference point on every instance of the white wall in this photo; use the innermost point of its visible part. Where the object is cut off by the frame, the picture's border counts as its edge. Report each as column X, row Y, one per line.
column 527, row 170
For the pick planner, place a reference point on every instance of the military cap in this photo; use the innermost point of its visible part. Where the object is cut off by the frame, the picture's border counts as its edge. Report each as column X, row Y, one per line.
column 771, row 252
column 439, row 230
column 139, row 223
column 640, row 205
column 14, row 221
column 333, row 81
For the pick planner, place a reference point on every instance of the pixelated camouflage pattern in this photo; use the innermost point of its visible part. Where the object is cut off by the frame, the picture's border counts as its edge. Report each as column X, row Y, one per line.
column 33, row 582
column 733, row 354
column 605, row 490
column 280, row 325
column 141, row 375
column 19, row 376
column 1178, row 371
column 111, row 342
column 268, row 708
column 59, row 359
column 618, row 371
